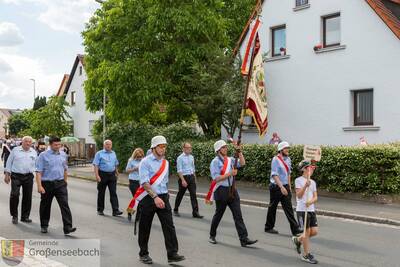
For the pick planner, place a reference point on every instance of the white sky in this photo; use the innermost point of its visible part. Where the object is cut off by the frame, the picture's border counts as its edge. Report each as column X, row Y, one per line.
column 38, row 39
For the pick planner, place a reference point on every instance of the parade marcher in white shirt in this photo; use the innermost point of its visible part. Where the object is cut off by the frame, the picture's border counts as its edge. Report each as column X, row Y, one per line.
column 187, row 180
column 19, row 170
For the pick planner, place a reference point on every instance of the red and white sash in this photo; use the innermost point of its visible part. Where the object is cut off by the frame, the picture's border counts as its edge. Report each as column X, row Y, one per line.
column 214, row 186
column 283, row 164
column 154, row 181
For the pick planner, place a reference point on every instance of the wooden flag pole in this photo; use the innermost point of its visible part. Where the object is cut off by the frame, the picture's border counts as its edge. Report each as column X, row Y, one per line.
column 244, row 106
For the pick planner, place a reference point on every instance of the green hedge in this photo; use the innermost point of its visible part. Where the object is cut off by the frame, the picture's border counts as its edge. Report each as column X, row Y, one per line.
column 369, row 170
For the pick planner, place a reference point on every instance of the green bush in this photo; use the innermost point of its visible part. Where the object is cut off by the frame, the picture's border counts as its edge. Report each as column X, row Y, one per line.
column 368, row 170
column 128, row 136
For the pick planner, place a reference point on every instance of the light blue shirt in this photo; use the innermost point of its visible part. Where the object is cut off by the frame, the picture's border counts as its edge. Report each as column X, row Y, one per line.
column 106, row 160
column 185, row 164
column 133, row 163
column 147, row 168
column 21, row 161
column 278, row 170
column 52, row 165
column 216, row 167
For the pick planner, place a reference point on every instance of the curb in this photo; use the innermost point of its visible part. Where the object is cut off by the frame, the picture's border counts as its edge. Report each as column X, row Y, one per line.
column 263, row 204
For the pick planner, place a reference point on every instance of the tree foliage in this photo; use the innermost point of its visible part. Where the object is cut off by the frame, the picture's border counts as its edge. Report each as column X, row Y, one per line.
column 173, row 53
column 19, row 122
column 40, row 101
column 52, row 119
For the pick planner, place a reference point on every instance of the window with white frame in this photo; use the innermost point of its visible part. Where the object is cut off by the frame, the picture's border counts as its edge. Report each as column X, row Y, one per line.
column 73, row 98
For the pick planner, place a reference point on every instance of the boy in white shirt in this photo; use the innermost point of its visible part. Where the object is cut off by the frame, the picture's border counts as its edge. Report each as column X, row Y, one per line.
column 306, row 197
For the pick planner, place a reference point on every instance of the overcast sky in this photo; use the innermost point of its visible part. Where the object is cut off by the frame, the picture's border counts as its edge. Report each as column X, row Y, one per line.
column 38, row 39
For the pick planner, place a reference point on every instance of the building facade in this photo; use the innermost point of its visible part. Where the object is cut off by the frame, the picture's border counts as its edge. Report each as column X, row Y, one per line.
column 82, row 120
column 332, row 71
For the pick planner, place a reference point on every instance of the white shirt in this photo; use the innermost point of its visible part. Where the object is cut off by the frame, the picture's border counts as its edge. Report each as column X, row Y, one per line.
column 301, row 202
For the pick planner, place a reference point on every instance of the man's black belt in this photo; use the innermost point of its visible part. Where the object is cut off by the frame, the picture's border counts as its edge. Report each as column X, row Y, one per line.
column 21, row 174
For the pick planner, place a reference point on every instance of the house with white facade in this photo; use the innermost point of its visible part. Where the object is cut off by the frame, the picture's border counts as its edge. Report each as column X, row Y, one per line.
column 332, row 70
column 82, row 120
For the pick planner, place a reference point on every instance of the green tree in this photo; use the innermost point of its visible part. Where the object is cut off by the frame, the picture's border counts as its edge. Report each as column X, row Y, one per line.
column 40, row 101
column 233, row 95
column 19, row 122
column 173, row 53
column 51, row 119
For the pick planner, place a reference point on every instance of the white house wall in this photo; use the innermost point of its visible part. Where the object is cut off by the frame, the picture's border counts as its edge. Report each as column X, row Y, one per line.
column 78, row 112
column 309, row 94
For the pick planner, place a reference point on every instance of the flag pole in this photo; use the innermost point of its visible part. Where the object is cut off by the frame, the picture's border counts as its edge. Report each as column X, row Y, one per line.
column 244, row 107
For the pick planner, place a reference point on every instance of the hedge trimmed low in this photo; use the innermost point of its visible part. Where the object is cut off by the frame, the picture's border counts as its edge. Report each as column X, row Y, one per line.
column 369, row 170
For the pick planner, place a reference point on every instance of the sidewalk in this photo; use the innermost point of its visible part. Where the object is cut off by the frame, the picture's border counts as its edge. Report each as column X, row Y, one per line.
column 328, row 206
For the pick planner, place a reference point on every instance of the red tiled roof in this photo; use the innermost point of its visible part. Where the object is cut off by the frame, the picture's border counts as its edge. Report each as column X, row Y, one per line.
column 387, row 14
column 61, row 89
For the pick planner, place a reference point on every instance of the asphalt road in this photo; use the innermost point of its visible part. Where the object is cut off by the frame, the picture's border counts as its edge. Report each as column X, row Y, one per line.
column 340, row 242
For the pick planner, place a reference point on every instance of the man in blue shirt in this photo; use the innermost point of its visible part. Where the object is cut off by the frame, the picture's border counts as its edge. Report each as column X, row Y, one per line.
column 19, row 170
column 106, row 170
column 156, row 201
column 226, row 194
column 51, row 179
column 187, row 180
column 280, row 190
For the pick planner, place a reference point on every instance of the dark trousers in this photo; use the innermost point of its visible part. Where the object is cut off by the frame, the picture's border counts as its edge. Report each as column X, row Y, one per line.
column 26, row 182
column 191, row 186
column 148, row 209
column 276, row 196
column 57, row 189
column 222, row 200
column 133, row 186
column 108, row 179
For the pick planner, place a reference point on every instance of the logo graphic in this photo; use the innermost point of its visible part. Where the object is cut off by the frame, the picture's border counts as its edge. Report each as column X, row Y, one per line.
column 12, row 251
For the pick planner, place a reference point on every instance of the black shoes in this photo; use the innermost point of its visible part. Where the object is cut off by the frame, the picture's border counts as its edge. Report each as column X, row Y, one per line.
column 117, row 213
column 212, row 240
column 176, row 213
column 100, row 213
column 175, row 258
column 43, row 230
column 247, row 242
column 297, row 244
column 271, row 231
column 197, row 215
column 26, row 220
column 14, row 220
column 146, row 259
column 67, row 231
column 129, row 217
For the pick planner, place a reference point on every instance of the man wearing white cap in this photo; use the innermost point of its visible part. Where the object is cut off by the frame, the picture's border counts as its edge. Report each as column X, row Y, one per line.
column 222, row 171
column 153, row 175
column 280, row 191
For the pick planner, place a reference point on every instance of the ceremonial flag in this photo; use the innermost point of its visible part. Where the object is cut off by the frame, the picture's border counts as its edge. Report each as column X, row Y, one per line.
column 250, row 40
column 256, row 96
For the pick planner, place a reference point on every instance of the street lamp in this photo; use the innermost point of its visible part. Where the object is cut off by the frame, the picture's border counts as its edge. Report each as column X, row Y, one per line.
column 34, row 89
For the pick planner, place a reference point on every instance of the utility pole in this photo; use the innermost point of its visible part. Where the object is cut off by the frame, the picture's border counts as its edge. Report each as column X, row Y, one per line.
column 34, row 89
